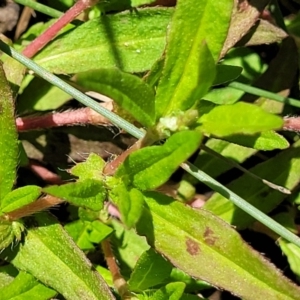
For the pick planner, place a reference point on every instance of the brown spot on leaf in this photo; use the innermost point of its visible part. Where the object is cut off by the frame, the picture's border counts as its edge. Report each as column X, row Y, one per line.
column 192, row 247
column 209, row 236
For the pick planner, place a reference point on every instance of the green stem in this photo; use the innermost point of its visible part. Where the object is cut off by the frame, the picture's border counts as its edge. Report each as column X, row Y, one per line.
column 82, row 98
column 41, row 8
column 241, row 203
column 262, row 93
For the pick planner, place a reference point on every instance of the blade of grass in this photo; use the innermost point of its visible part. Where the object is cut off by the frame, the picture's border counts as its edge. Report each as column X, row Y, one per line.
column 241, row 203
column 41, row 8
column 134, row 131
column 262, row 93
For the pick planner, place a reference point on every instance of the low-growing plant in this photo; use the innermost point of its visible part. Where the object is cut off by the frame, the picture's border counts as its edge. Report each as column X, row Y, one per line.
column 181, row 80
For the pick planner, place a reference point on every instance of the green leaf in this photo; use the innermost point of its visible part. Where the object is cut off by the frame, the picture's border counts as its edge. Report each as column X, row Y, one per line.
column 266, row 140
column 86, row 233
column 213, row 165
column 245, row 118
column 89, row 193
column 99, row 232
column 128, row 246
column 172, row 291
column 282, row 169
column 79, row 231
column 150, row 270
column 8, row 138
column 9, row 232
column 205, row 247
column 25, row 286
column 7, row 274
column 191, row 283
column 50, row 255
column 253, row 66
column 90, row 169
column 131, row 42
column 14, row 73
column 150, row 167
column 135, row 3
column 180, row 91
column 226, row 73
column 128, row 91
column 129, row 202
column 292, row 253
column 40, row 95
column 193, row 48
column 20, row 197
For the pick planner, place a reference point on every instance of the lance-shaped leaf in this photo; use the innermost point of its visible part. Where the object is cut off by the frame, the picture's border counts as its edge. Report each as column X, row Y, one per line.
column 293, row 255
column 206, row 247
column 172, row 291
column 128, row 200
column 245, row 118
column 25, row 286
column 266, row 140
column 226, row 73
column 151, row 269
column 128, row 91
column 20, row 197
column 131, row 42
column 150, row 167
column 128, row 246
column 8, row 138
column 40, row 95
column 282, row 169
column 50, row 255
column 193, row 48
column 89, row 193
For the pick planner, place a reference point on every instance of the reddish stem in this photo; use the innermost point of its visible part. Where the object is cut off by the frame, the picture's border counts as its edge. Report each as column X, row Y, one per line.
column 66, row 118
column 34, row 207
column 42, row 40
column 292, row 124
column 44, row 173
column 119, row 282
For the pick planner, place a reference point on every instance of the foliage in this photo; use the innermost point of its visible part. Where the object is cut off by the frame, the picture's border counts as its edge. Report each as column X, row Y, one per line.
column 179, row 79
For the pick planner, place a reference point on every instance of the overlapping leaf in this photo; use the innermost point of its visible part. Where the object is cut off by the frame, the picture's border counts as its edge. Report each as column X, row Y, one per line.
column 57, row 262
column 186, row 236
column 193, row 48
column 129, row 41
column 245, row 118
column 150, row 167
column 128, row 91
column 282, row 169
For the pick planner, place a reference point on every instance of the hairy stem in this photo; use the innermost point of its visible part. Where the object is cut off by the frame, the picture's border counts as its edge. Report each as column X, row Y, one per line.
column 119, row 282
column 43, row 203
column 45, row 174
column 67, row 118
